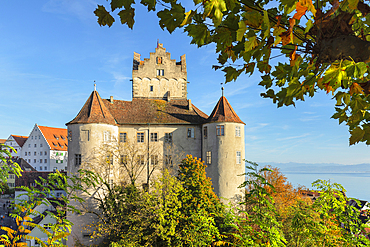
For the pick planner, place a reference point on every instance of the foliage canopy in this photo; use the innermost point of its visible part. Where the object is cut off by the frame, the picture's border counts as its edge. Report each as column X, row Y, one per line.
column 322, row 45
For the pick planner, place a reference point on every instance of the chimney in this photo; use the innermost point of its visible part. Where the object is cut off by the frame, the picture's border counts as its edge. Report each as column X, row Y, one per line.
column 190, row 105
column 111, row 99
column 168, row 96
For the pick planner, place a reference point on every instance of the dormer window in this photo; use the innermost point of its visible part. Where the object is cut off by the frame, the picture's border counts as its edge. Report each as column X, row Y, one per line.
column 151, row 88
column 160, row 72
column 56, row 137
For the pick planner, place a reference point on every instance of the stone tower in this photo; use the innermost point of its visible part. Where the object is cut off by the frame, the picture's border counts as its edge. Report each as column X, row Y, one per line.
column 159, row 76
column 224, row 150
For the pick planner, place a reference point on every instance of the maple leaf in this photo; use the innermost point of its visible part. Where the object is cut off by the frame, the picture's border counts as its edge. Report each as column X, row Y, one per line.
column 356, row 88
column 356, row 135
column 104, row 18
column 301, row 10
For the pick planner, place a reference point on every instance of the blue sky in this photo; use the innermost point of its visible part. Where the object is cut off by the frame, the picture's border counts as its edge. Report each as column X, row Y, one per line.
column 52, row 51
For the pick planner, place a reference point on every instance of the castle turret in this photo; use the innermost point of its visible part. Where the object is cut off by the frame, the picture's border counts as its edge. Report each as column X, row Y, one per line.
column 93, row 126
column 224, row 150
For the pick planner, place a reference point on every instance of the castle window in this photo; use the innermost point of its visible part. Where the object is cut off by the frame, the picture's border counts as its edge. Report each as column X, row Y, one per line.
column 153, row 137
column 40, row 153
column 123, row 137
column 35, row 145
column 25, row 153
column 238, row 157
column 168, row 160
column 77, row 159
column 160, row 72
column 106, row 136
column 41, row 145
column 220, row 130
column 34, row 153
column 140, row 160
column 45, row 161
column 205, row 132
column 140, row 136
column 191, row 133
column 209, row 157
column 45, row 167
column 45, row 153
column 85, row 135
column 109, row 159
column 154, row 160
column 158, row 60
column 40, row 168
column 237, row 131
column 168, row 137
column 151, row 88
column 40, row 160
column 123, row 159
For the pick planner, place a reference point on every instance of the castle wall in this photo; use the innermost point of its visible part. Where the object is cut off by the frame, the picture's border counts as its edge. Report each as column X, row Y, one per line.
column 91, row 145
column 226, row 163
column 84, row 140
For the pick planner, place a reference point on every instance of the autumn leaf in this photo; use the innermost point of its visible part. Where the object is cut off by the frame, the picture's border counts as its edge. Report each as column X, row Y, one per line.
column 356, row 88
column 301, row 10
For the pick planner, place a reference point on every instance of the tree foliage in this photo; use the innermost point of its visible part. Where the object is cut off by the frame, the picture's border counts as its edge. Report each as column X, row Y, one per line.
column 322, row 45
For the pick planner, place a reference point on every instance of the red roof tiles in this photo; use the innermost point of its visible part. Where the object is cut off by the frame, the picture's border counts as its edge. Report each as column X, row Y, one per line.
column 138, row 111
column 94, row 111
column 223, row 112
column 56, row 137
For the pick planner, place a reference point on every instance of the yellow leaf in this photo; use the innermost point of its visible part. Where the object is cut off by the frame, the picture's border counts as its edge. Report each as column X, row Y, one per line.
column 188, row 16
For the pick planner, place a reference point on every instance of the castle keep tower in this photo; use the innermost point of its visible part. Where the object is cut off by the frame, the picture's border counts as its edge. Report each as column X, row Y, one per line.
column 159, row 76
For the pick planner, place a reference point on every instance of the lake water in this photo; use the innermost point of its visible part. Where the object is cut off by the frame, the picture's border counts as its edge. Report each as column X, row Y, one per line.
column 357, row 185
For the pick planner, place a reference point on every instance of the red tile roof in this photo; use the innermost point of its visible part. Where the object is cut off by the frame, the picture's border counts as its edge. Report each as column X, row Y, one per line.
column 223, row 112
column 94, row 111
column 139, row 111
column 56, row 137
column 20, row 139
column 2, row 141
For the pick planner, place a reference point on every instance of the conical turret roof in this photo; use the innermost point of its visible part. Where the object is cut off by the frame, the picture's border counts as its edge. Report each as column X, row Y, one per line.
column 94, row 111
column 223, row 112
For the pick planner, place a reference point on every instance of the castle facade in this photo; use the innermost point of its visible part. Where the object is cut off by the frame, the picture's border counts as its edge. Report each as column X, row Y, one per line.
column 162, row 125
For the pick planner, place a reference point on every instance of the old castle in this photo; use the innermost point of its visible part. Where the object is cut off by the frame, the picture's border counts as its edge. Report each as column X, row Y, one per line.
column 160, row 115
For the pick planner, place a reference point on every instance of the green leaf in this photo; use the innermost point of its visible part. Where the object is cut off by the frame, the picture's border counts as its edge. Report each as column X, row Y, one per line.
column 266, row 24
column 118, row 4
column 127, row 17
column 199, row 33
column 241, row 30
column 250, row 44
column 356, row 135
column 150, row 4
column 231, row 73
column 173, row 18
column 214, row 8
column 104, row 17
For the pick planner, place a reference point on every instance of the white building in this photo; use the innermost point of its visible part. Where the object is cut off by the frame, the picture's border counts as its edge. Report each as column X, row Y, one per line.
column 17, row 143
column 46, row 148
column 160, row 115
